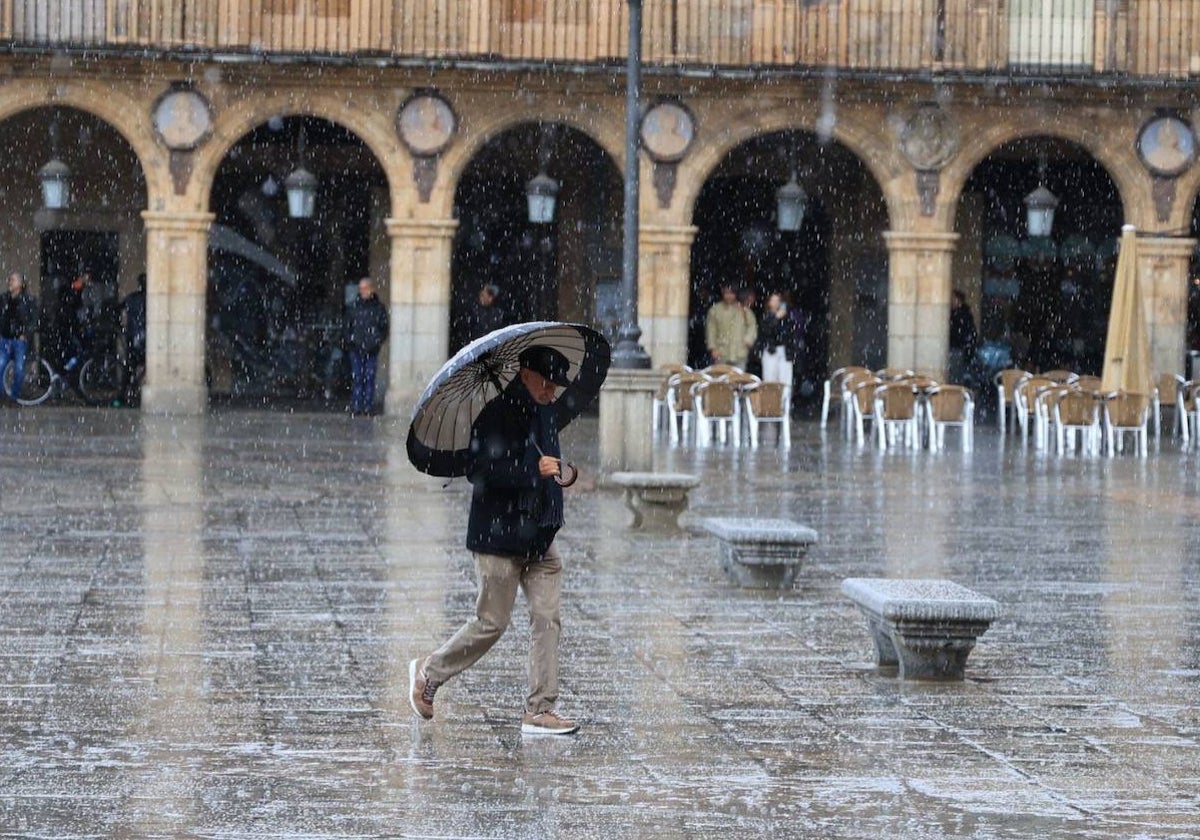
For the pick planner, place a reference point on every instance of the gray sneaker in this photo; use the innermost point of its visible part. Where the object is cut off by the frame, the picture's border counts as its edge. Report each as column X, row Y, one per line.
column 547, row 723
column 421, row 689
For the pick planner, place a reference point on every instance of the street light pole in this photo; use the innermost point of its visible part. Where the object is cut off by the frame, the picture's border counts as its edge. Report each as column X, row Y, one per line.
column 629, row 352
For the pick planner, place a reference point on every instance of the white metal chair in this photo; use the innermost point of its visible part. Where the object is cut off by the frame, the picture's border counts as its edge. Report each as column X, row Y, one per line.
column 1170, row 393
column 950, row 406
column 716, row 410
column 1191, row 417
column 1044, row 401
column 1006, row 382
column 658, row 407
column 769, row 402
column 836, row 396
column 681, row 408
column 1029, row 418
column 1077, row 415
column 862, row 404
column 1126, row 414
column 896, row 415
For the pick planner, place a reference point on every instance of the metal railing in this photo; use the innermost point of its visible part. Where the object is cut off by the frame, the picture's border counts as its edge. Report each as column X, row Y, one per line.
column 1152, row 38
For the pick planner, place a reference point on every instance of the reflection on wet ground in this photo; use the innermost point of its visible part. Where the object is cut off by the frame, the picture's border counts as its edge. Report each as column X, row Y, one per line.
column 204, row 626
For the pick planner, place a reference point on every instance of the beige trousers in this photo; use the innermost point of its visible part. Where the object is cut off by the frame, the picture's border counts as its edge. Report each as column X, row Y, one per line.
column 499, row 577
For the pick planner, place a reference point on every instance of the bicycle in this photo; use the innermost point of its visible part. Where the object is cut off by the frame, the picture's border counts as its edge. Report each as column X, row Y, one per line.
column 99, row 379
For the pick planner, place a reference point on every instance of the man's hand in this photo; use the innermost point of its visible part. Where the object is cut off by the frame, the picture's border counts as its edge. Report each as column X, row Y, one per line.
column 548, row 467
column 716, row 357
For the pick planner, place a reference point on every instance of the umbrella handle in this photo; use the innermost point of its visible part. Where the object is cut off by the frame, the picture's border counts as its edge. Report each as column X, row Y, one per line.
column 562, row 481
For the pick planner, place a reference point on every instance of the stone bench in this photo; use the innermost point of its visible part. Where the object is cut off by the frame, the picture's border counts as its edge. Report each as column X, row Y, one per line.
column 925, row 627
column 761, row 553
column 655, row 499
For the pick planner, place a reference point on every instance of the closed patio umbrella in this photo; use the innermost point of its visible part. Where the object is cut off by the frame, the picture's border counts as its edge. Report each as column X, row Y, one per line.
column 1127, row 351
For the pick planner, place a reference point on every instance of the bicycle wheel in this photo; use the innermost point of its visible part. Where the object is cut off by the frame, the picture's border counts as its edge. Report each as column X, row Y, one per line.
column 38, row 383
column 102, row 379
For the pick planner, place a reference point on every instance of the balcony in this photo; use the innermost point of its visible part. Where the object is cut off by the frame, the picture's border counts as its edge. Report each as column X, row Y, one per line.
column 1154, row 39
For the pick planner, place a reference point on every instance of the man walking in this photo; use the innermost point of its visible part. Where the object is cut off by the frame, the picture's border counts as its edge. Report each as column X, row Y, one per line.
column 730, row 330
column 516, row 510
column 18, row 321
column 366, row 330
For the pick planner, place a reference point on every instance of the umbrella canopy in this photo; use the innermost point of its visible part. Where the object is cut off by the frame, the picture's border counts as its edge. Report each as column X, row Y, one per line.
column 1127, row 351
column 441, row 428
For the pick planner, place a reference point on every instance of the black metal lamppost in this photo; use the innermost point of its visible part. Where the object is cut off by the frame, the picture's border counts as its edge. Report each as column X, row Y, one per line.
column 629, row 353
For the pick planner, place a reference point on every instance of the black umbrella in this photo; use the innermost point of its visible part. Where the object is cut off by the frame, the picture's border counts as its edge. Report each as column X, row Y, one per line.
column 441, row 428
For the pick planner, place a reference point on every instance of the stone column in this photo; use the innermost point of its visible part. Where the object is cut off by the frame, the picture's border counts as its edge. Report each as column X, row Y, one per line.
column 420, row 307
column 664, row 290
column 919, row 268
column 1163, row 264
column 176, row 284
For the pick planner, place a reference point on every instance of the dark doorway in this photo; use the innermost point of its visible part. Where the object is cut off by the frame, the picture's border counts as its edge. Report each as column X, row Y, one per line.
column 553, row 270
column 833, row 269
column 278, row 285
column 66, row 254
column 1044, row 300
column 738, row 243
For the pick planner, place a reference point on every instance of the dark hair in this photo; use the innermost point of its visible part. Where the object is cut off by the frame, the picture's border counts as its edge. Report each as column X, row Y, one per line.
column 959, row 295
column 492, row 289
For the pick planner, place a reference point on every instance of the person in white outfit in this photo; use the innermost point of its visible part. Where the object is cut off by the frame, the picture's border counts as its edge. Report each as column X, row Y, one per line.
column 781, row 337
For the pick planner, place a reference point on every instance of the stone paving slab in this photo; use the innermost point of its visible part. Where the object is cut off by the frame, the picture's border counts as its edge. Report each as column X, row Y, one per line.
column 205, row 624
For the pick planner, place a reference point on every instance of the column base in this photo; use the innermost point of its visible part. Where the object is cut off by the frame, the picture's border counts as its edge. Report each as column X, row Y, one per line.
column 626, row 443
column 174, row 399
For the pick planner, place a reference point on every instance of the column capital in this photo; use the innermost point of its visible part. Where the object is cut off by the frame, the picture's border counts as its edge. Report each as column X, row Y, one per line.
column 1171, row 247
column 157, row 220
column 421, row 228
column 667, row 234
column 907, row 240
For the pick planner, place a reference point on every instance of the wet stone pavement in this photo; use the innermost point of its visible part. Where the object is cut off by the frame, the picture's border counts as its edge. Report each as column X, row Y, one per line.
column 204, row 630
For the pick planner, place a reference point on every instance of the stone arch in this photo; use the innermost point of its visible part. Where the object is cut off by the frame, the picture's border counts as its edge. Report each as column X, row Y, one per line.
column 1187, row 197
column 597, row 126
column 239, row 118
column 1124, row 169
column 1043, row 300
column 125, row 115
column 543, row 270
column 851, row 132
column 825, row 267
column 278, row 283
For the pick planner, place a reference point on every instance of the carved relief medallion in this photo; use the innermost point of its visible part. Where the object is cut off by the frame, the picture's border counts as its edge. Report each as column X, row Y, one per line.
column 182, row 118
column 667, row 132
column 426, row 124
column 1167, row 146
column 929, row 138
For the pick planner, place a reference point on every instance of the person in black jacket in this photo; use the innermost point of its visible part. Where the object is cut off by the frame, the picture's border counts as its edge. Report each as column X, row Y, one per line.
column 781, row 340
column 484, row 314
column 18, row 322
column 516, row 511
column 964, row 338
column 366, row 330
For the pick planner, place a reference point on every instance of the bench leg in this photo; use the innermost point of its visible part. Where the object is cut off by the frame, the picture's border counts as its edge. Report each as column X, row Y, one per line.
column 932, row 653
column 933, row 650
column 760, row 575
column 881, row 638
column 632, row 507
column 656, row 508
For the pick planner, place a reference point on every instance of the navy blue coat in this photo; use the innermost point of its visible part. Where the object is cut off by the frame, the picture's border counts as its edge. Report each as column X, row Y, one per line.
column 511, row 501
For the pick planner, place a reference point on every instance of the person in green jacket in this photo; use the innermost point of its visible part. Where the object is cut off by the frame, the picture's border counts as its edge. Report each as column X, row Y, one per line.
column 729, row 329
